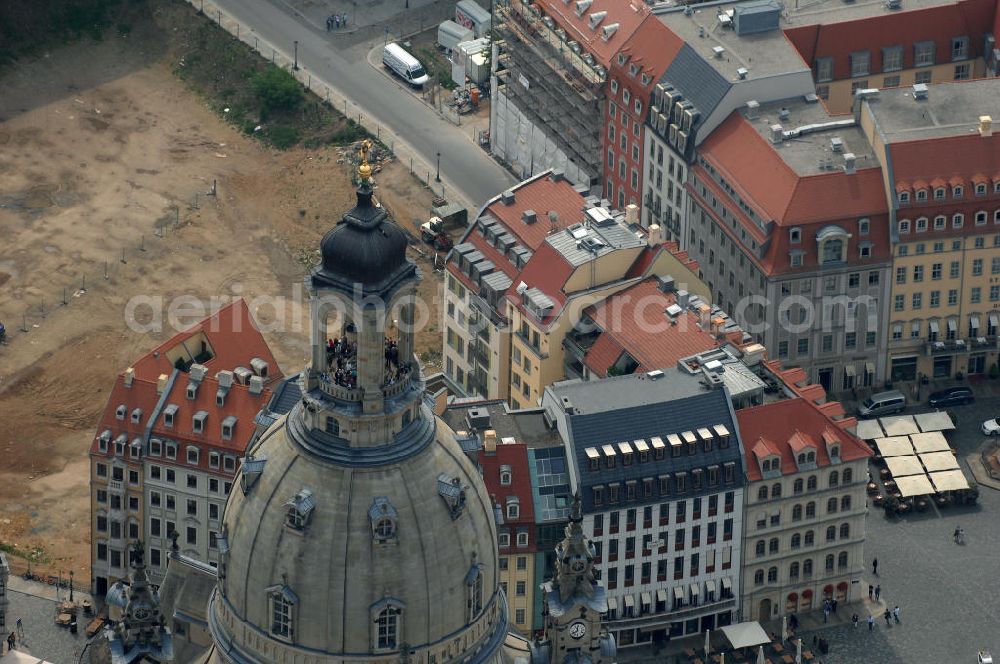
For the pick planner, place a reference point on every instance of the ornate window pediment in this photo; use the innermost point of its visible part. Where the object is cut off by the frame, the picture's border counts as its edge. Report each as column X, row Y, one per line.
column 384, row 520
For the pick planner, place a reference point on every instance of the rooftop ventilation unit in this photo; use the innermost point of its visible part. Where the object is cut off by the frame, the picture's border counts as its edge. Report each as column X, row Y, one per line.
column 655, row 374
column 507, row 197
column 777, row 133
column 561, row 34
column 549, row 23
column 673, row 311
column 920, row 91
column 718, row 50
column 837, row 144
column 521, row 288
column 849, row 160
column 893, row 4
column 784, row 114
column 529, row 217
column 753, row 109
column 608, row 31
column 811, row 98
column 478, row 418
column 742, row 73
column 756, row 17
column 985, row 126
column 589, row 59
column 582, row 6
column 574, row 46
column 595, row 19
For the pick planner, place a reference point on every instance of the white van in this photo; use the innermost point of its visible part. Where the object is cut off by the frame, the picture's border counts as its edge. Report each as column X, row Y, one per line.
column 405, row 65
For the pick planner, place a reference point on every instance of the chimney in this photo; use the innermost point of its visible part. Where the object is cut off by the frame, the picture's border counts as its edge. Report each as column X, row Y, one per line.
column 129, row 376
column 985, row 126
column 490, row 441
column 529, row 217
column 631, row 213
column 256, row 385
column 717, row 324
column 704, row 316
column 161, row 383
column 849, row 163
column 655, row 236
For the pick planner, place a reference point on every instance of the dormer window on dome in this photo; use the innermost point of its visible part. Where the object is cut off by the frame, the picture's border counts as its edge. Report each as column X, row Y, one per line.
column 300, row 508
column 474, row 584
column 281, row 609
column 384, row 520
column 453, row 493
column 252, row 470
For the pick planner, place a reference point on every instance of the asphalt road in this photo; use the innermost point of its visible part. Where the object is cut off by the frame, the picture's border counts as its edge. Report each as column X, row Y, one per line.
column 465, row 167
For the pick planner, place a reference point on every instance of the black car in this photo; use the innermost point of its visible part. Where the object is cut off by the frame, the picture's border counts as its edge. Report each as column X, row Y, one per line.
column 953, row 396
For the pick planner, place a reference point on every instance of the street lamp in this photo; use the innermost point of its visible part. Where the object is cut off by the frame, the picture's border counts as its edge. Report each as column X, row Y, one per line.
column 437, row 176
column 296, row 65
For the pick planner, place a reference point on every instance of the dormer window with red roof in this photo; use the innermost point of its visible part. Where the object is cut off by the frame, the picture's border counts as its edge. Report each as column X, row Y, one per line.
column 921, row 195
column 904, row 198
column 120, row 412
column 939, row 193
column 958, row 191
column 505, row 475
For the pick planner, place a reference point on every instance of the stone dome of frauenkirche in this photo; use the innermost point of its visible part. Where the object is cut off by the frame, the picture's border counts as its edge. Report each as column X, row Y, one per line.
column 357, row 529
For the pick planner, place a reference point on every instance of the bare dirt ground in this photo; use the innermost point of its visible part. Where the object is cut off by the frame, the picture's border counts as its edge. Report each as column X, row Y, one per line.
column 103, row 149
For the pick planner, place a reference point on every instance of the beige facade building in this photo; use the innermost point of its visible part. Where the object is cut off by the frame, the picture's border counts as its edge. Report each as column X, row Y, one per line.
column 804, row 525
column 533, row 261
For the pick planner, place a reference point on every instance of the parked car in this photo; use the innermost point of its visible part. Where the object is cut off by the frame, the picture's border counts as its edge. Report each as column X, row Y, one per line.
column 991, row 427
column 883, row 403
column 952, row 396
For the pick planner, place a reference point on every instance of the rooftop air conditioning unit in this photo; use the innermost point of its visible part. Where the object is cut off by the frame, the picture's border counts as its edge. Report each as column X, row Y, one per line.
column 777, row 133
column 837, row 144
column 784, row 114
column 742, row 73
column 920, row 91
column 753, row 109
column 718, row 50
column 655, row 374
column 849, row 159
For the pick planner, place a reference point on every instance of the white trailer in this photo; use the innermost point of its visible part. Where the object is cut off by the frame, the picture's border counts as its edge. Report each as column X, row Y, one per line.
column 472, row 16
column 451, row 34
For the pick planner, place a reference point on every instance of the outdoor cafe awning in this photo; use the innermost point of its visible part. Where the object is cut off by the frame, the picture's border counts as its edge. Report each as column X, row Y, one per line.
column 914, row 485
column 661, row 595
column 629, row 601
column 949, row 480
column 931, row 441
column 901, row 466
column 646, row 599
column 710, row 587
column 745, row 635
column 900, row 425
column 869, row 430
column 679, row 593
column 894, row 447
column 938, row 461
column 612, row 604
column 937, row 421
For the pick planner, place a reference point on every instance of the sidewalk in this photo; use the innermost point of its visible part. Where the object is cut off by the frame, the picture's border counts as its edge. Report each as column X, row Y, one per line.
column 45, row 591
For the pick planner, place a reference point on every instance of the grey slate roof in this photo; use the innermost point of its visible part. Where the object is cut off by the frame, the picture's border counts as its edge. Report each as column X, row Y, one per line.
column 698, row 81
column 631, row 408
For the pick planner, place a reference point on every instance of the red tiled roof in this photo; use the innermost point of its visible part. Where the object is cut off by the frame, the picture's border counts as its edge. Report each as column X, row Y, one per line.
column 971, row 18
column 234, row 337
column 514, row 455
column 628, row 14
column 634, row 320
column 547, row 271
column 785, row 427
column 955, row 158
column 541, row 195
column 652, row 47
column 142, row 395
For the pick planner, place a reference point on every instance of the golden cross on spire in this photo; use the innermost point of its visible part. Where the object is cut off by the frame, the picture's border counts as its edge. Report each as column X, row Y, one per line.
column 364, row 168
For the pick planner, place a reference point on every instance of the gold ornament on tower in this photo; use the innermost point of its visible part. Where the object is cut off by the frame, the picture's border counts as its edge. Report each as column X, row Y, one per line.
column 364, row 168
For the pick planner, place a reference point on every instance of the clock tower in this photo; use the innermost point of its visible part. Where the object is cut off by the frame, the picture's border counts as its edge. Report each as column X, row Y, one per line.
column 574, row 604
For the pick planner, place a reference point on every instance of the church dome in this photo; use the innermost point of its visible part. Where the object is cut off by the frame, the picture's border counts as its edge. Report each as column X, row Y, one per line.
column 365, row 247
column 357, row 543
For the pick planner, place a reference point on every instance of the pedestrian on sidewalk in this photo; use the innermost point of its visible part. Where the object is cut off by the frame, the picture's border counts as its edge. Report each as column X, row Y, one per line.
column 10, row 641
column 871, row 591
column 895, row 613
column 826, row 611
column 871, row 622
column 343, row 19
column 20, row 629
column 875, row 566
column 336, row 20
column 878, row 591
column 888, row 617
column 329, row 23
column 833, row 606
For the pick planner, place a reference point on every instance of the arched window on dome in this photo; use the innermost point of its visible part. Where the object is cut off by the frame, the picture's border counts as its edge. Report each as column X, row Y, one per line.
column 282, row 601
column 474, row 590
column 300, row 508
column 384, row 519
column 387, row 624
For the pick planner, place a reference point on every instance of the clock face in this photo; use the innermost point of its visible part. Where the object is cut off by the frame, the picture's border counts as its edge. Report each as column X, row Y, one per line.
column 578, row 629
column 141, row 614
column 578, row 566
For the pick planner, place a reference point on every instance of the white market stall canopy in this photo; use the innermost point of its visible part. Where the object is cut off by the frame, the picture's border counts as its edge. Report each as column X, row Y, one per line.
column 931, row 441
column 894, row 447
column 937, row 421
column 938, row 461
column 901, row 466
column 745, row 634
column 949, row 480
column 869, row 430
column 914, row 485
column 900, row 425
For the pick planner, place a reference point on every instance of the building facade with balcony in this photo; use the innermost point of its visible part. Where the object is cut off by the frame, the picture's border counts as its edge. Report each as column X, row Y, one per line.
column 656, row 460
column 170, row 441
column 941, row 162
column 806, row 509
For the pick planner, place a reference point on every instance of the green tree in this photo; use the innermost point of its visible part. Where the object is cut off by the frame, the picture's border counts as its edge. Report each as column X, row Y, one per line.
column 276, row 89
